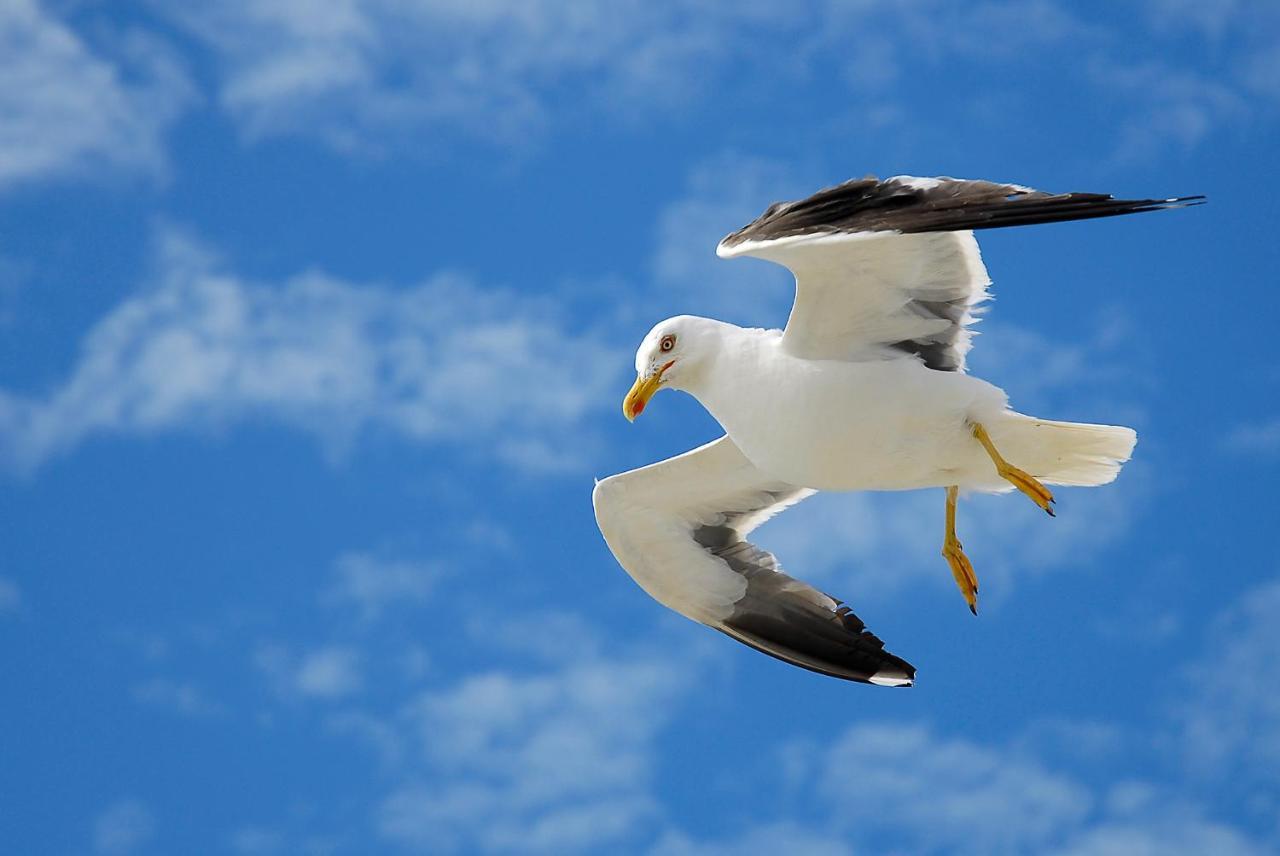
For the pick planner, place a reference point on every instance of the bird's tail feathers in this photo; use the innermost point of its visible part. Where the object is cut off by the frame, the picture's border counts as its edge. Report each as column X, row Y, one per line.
column 1066, row 453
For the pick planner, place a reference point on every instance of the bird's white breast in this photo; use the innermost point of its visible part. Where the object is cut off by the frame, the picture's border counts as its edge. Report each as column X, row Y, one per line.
column 887, row 424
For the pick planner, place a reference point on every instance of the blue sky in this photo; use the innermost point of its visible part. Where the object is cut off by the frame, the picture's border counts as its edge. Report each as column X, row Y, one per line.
column 313, row 327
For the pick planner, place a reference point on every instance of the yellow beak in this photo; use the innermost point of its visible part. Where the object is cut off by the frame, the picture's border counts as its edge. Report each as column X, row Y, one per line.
column 641, row 391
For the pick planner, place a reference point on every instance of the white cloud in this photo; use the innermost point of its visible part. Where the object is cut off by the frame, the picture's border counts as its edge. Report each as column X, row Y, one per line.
column 1081, row 740
column 723, row 194
column 556, row 761
column 1230, row 715
column 767, row 839
column 1103, row 377
column 904, row 34
column 945, row 794
column 366, row 74
column 554, row 636
column 123, row 827
column 1142, row 820
column 68, row 109
column 330, row 672
column 356, row 71
column 293, row 838
column 371, row 584
column 1213, row 18
column 1243, row 39
column 385, row 74
column 257, row 841
column 442, row 361
column 1175, row 97
column 902, row 788
column 183, row 697
column 1177, row 107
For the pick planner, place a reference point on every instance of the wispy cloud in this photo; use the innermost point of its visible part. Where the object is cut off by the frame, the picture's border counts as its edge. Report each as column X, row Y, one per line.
column 1259, row 438
column 123, row 828
column 945, row 793
column 352, row 71
column 564, row 755
column 373, row 75
column 1178, row 108
column 550, row 761
column 444, row 361
column 761, row 839
column 721, row 194
column 1138, row 818
column 362, row 75
column 1243, row 38
column 10, row 596
column 372, row 584
column 183, row 697
column 1104, row 377
column 894, row 787
column 1230, row 716
column 330, row 672
column 69, row 109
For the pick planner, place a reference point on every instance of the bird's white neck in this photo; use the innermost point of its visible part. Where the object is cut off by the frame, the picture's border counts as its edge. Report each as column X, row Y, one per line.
column 726, row 376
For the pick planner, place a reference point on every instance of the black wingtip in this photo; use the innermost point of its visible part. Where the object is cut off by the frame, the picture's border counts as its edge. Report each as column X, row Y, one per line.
column 939, row 205
column 1141, row 206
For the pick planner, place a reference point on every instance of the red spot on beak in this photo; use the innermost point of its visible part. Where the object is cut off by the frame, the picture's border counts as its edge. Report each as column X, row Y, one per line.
column 637, row 409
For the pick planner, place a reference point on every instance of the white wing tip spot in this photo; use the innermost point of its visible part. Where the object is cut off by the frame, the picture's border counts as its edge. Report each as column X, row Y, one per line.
column 890, row 679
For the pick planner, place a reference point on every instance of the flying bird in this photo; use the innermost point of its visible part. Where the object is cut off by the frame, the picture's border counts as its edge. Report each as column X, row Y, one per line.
column 865, row 389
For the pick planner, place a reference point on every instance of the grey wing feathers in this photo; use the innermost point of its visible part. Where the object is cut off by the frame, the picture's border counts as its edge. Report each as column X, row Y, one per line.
column 909, row 205
column 949, row 302
column 790, row 620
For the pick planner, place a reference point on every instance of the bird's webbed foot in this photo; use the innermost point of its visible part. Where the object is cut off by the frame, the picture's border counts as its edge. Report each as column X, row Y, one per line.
column 1023, row 481
column 953, row 552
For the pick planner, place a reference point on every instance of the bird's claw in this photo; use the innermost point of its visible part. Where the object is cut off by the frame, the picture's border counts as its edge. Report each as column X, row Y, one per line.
column 962, row 570
column 1031, row 486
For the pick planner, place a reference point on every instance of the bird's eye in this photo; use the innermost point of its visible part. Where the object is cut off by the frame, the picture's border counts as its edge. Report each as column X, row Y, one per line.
column 667, row 343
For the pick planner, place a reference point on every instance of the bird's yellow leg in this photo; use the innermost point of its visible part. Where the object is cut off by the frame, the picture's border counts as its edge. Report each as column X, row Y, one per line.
column 961, row 568
column 1024, row 482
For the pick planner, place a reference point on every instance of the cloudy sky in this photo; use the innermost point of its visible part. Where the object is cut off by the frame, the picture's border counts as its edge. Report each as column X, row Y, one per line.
column 314, row 321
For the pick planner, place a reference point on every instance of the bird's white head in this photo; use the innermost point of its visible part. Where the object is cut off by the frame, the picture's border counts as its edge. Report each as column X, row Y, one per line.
column 673, row 354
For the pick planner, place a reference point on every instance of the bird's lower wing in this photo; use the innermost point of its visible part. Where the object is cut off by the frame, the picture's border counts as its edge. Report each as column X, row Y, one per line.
column 678, row 527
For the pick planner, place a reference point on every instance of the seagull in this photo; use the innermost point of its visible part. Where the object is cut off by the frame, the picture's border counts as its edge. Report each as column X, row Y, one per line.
column 865, row 389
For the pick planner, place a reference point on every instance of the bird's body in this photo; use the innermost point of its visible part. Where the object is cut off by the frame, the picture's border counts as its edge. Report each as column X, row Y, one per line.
column 888, row 424
column 865, row 389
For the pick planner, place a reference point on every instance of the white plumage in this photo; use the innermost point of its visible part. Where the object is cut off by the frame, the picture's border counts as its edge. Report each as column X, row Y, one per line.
column 865, row 389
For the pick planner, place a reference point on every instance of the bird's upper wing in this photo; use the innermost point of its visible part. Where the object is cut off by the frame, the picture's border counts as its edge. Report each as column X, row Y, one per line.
column 891, row 267
column 678, row 528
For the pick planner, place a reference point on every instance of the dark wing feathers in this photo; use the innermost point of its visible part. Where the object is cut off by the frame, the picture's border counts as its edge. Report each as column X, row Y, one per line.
column 940, row 351
column 794, row 622
column 909, row 205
